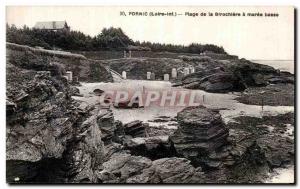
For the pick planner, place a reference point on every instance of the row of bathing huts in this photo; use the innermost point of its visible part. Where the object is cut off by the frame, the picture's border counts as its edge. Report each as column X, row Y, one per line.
column 174, row 74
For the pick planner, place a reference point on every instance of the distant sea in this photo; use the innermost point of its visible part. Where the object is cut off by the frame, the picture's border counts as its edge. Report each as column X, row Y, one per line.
column 283, row 65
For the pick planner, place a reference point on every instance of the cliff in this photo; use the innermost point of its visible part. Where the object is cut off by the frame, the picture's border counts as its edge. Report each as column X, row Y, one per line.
column 40, row 59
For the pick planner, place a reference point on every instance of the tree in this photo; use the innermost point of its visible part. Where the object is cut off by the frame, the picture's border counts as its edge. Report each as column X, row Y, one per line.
column 109, row 38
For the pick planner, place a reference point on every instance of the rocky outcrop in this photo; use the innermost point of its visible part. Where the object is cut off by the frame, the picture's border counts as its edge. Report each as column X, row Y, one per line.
column 40, row 59
column 41, row 124
column 85, row 152
column 136, row 129
column 169, row 170
column 273, row 95
column 235, row 156
column 50, row 137
column 125, row 168
column 107, row 125
column 272, row 133
column 282, row 78
column 215, row 80
column 121, row 166
column 203, row 138
column 155, row 147
column 227, row 75
column 200, row 136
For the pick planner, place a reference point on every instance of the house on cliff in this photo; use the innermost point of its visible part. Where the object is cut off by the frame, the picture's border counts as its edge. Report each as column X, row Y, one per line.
column 52, row 25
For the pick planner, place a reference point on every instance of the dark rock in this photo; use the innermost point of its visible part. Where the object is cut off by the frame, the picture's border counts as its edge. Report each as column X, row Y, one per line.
column 10, row 107
column 87, row 151
column 136, row 129
column 169, row 170
column 119, row 132
column 74, row 91
column 214, row 80
column 232, row 75
column 125, row 168
column 201, row 132
column 152, row 147
column 107, row 124
column 278, row 151
column 128, row 104
column 39, row 129
column 113, row 148
column 281, row 94
column 98, row 92
column 121, row 166
column 47, row 130
column 280, row 79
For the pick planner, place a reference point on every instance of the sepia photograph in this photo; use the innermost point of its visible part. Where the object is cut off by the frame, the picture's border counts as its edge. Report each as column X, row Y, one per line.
column 150, row 94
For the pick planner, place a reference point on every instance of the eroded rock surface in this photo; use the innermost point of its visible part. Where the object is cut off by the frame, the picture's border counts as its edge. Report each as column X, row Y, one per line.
column 227, row 75
column 50, row 137
column 201, row 132
column 125, row 168
column 136, row 129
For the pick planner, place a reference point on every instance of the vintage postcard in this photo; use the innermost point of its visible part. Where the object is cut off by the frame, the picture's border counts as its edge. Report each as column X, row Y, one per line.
column 152, row 95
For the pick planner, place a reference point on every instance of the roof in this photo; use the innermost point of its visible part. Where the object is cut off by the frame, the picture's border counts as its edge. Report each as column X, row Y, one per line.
column 52, row 25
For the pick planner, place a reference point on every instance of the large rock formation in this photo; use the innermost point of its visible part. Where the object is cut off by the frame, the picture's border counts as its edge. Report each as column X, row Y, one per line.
column 214, row 80
column 85, row 152
column 50, row 137
column 224, row 156
column 46, row 130
column 232, row 74
column 200, row 135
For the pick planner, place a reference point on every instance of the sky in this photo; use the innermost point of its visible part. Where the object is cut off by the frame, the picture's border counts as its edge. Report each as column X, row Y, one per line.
column 266, row 38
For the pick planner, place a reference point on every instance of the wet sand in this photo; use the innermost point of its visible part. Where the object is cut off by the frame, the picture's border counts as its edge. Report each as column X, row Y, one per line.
column 229, row 107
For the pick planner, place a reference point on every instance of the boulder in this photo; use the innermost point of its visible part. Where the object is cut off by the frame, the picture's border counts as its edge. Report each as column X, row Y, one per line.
column 136, row 129
column 201, row 133
column 121, row 166
column 125, row 168
column 152, row 147
column 169, row 170
column 98, row 92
